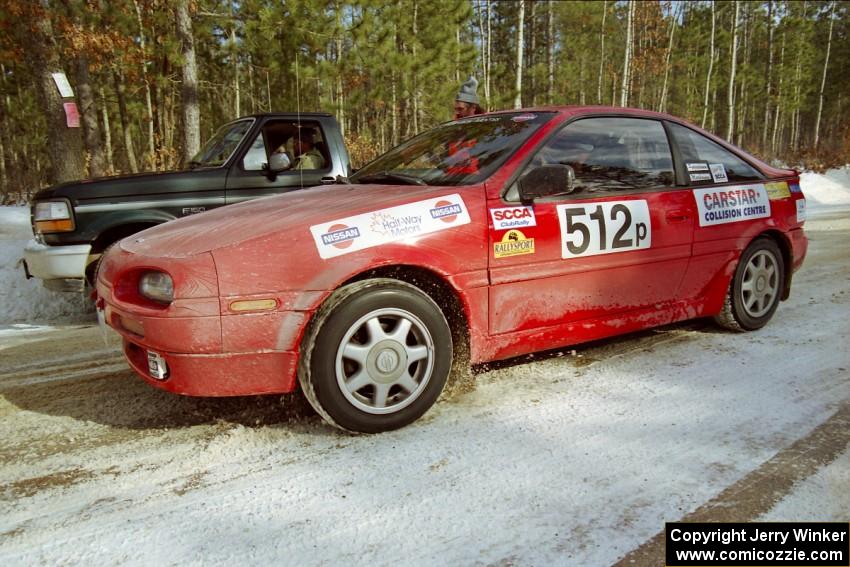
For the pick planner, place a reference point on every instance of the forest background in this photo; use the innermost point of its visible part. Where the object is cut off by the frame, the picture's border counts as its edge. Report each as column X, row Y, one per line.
column 153, row 79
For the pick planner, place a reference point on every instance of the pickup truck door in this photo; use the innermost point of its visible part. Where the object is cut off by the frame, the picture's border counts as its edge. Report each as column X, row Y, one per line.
column 248, row 178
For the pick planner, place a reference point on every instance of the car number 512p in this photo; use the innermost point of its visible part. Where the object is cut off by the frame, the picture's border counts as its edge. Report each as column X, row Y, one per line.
column 588, row 229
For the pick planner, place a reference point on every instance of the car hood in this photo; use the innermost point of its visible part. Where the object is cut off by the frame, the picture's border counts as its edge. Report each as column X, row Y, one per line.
column 138, row 184
column 292, row 212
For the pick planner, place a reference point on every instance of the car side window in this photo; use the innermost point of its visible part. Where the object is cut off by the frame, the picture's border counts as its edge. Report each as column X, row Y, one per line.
column 706, row 162
column 611, row 154
column 303, row 141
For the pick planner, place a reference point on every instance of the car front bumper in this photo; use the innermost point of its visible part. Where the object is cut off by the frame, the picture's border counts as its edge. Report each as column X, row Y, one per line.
column 56, row 265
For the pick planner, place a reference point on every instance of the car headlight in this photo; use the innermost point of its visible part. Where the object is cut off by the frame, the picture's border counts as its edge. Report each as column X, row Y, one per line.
column 53, row 216
column 157, row 286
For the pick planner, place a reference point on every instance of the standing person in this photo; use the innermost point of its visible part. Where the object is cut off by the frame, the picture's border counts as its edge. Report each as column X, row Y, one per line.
column 466, row 101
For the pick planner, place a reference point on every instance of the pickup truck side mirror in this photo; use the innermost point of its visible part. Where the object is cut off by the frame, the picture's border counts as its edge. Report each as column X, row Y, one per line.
column 278, row 162
column 546, row 180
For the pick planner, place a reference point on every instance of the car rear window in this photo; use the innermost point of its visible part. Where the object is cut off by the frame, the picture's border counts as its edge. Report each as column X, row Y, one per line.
column 703, row 156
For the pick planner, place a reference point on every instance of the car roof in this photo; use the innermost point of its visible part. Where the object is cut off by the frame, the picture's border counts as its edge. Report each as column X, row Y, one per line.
column 569, row 111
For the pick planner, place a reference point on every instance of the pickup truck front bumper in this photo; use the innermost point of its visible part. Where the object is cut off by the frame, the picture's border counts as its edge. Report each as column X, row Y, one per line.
column 61, row 268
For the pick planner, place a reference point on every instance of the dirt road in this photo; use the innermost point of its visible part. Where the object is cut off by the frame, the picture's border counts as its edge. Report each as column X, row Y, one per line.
column 567, row 458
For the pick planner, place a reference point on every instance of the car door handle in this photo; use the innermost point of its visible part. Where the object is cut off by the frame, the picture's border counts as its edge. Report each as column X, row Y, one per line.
column 678, row 216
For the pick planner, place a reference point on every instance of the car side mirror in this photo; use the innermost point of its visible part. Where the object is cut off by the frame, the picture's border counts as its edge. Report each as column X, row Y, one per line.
column 278, row 162
column 546, row 180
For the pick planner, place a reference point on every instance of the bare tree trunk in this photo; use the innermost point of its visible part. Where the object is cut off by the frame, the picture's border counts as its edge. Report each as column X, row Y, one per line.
column 66, row 144
column 823, row 78
column 731, row 98
column 550, row 53
column 773, row 139
column 662, row 105
column 768, row 76
column 107, row 133
column 520, row 44
column 531, row 54
column 415, row 81
column 601, row 53
column 268, row 91
column 627, row 60
column 489, row 50
column 148, row 103
column 125, row 121
column 710, row 66
column 742, row 120
column 189, row 89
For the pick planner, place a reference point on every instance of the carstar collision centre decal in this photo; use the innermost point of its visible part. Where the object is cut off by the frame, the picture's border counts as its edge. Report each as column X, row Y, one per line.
column 589, row 229
column 358, row 232
column 721, row 205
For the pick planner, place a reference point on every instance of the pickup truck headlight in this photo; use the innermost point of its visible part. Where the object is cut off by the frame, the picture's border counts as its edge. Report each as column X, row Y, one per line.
column 53, row 216
column 157, row 286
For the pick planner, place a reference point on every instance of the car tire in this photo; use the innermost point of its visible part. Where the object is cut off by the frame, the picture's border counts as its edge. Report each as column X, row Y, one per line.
column 376, row 356
column 756, row 287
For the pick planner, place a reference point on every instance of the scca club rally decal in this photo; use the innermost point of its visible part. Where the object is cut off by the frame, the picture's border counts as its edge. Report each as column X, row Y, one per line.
column 604, row 228
column 732, row 204
column 513, row 217
column 358, row 232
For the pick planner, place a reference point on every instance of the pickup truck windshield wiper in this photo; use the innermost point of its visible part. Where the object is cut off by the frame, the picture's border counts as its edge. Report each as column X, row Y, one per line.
column 391, row 176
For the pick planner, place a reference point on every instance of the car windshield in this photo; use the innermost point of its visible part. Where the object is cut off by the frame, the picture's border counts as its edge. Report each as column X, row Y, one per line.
column 221, row 146
column 456, row 153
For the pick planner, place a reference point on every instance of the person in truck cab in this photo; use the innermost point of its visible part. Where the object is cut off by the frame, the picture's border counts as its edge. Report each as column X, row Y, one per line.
column 307, row 156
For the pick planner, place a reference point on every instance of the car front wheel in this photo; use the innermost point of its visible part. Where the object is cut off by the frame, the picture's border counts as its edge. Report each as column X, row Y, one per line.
column 376, row 357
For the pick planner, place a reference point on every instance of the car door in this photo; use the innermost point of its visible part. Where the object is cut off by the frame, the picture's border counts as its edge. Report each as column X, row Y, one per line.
column 619, row 243
column 249, row 177
column 732, row 206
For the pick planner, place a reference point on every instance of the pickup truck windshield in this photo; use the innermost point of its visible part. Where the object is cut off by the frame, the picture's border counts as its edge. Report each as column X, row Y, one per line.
column 456, row 153
column 221, row 146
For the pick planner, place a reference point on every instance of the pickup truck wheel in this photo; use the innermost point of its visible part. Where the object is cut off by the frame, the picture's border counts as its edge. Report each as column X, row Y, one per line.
column 377, row 356
column 755, row 289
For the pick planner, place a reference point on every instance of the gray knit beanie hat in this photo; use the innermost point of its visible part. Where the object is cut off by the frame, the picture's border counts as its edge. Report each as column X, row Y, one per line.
column 468, row 91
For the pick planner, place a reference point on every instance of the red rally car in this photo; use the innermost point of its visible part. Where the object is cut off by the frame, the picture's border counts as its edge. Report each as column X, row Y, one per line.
column 495, row 235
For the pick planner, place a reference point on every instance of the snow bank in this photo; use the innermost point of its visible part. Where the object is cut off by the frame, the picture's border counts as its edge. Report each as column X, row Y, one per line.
column 826, row 190
column 22, row 300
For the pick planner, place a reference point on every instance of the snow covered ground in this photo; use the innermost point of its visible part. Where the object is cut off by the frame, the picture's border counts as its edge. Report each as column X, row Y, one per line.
column 564, row 459
column 22, row 300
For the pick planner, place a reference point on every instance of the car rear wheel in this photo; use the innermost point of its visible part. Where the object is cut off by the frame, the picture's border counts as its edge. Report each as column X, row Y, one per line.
column 755, row 289
column 376, row 357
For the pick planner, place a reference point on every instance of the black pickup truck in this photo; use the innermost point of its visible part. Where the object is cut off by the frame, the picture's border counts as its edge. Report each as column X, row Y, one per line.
column 251, row 157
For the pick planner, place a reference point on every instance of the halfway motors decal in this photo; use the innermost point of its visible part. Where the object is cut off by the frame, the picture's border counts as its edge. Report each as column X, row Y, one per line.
column 732, row 204
column 350, row 234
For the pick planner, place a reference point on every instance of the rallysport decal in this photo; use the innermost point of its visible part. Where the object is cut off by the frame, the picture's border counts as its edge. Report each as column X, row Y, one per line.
column 513, row 217
column 358, row 232
column 514, row 243
column 732, row 204
column 589, row 229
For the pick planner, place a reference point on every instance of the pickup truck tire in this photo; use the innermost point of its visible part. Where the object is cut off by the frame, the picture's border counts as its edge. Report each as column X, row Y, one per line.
column 376, row 357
